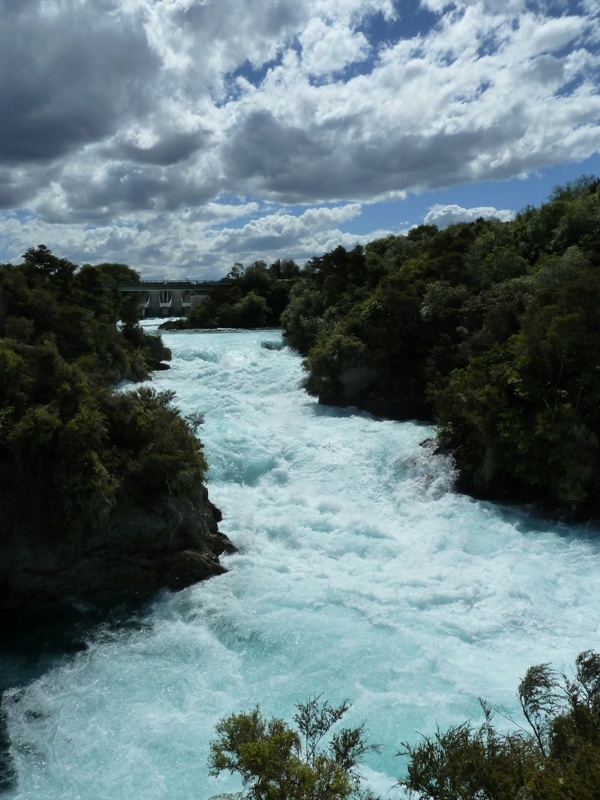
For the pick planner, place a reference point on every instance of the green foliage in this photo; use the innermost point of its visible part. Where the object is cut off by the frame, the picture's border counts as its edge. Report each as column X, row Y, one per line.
column 284, row 269
column 115, row 273
column 157, row 450
column 73, row 450
column 467, row 762
column 353, row 375
column 553, row 755
column 558, row 760
column 489, row 329
column 302, row 319
column 251, row 311
column 203, row 315
column 312, row 761
column 57, row 272
column 248, row 297
column 527, row 423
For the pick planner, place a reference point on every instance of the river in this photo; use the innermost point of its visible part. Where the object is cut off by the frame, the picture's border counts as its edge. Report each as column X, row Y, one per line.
column 360, row 574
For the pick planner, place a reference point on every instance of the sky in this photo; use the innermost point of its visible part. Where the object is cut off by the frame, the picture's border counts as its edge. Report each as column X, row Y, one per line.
column 182, row 136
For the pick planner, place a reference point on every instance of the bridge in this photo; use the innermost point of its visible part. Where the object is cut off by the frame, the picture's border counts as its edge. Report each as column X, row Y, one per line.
column 170, row 298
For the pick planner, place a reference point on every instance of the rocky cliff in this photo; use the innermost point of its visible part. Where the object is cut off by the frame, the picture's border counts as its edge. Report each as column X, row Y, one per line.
column 140, row 549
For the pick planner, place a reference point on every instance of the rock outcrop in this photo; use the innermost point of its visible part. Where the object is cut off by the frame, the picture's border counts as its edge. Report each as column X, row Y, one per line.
column 170, row 544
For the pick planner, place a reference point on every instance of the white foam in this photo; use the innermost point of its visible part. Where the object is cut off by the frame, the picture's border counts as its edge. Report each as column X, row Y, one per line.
column 360, row 575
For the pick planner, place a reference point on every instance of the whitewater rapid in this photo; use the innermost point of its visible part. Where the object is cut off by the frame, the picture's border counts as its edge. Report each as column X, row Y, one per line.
column 360, row 574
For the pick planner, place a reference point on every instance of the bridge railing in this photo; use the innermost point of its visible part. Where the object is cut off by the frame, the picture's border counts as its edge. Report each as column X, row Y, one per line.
column 187, row 284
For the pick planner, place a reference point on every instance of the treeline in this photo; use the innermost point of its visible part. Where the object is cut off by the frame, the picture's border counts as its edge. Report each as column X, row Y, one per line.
column 489, row 329
column 74, row 452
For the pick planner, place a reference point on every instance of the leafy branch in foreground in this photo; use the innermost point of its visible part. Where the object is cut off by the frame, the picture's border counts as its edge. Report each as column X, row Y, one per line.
column 558, row 760
column 278, row 762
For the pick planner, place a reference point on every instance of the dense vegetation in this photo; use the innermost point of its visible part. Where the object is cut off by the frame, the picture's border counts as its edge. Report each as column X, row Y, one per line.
column 73, row 452
column 556, row 757
column 249, row 297
column 489, row 329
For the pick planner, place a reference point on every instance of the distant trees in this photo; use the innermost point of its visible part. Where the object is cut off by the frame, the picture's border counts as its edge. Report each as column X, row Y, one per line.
column 250, row 297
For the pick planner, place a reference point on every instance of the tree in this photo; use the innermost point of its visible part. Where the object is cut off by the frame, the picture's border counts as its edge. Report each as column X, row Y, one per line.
column 285, row 269
column 250, row 312
column 58, row 271
column 467, row 763
column 278, row 762
column 488, row 328
column 302, row 317
column 256, row 278
column 558, row 760
column 235, row 273
column 117, row 273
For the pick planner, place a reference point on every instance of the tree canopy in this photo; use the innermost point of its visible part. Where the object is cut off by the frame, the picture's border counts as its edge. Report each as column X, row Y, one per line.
column 488, row 328
column 73, row 452
column 248, row 297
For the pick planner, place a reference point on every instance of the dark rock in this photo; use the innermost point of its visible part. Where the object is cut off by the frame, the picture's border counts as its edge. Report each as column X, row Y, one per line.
column 188, row 567
column 169, row 544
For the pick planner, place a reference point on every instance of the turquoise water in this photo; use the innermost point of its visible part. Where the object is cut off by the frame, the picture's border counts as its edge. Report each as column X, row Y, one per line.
column 360, row 575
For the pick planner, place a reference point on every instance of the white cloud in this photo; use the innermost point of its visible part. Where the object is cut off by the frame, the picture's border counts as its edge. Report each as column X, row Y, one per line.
column 127, row 112
column 444, row 215
column 193, row 241
column 329, row 48
column 282, row 235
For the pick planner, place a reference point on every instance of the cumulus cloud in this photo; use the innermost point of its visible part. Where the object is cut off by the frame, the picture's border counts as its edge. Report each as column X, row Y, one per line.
column 69, row 78
column 121, row 120
column 444, row 215
column 284, row 232
column 195, row 241
column 329, row 48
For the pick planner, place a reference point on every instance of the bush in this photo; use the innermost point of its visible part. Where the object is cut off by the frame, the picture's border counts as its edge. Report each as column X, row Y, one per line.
column 559, row 759
column 278, row 762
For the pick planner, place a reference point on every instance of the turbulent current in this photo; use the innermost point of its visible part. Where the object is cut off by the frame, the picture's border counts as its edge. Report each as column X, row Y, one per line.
column 360, row 575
